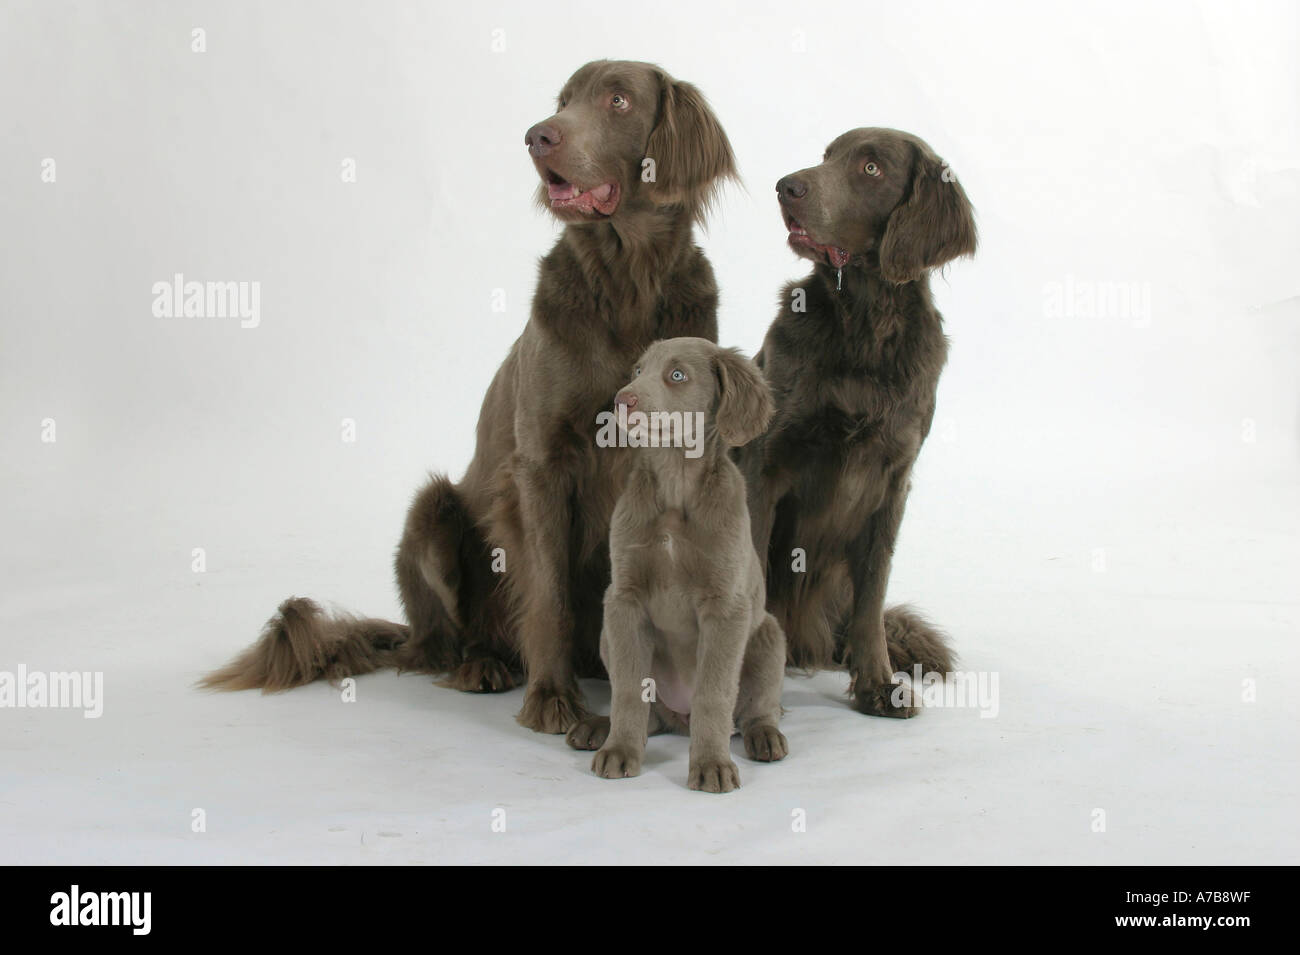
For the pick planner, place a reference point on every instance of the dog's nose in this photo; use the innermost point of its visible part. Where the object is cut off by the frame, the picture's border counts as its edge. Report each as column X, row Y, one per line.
column 791, row 187
column 625, row 398
column 542, row 139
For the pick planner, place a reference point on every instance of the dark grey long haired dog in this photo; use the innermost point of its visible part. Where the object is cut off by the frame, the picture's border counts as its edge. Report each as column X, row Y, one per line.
column 853, row 360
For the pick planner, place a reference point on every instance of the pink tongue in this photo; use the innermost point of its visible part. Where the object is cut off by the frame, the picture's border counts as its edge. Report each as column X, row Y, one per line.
column 601, row 193
column 564, row 190
column 839, row 257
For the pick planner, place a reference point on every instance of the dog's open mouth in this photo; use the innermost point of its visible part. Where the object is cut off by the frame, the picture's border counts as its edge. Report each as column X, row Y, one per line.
column 800, row 239
column 602, row 199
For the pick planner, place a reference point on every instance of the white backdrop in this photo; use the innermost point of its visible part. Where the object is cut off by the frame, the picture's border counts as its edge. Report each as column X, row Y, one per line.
column 1105, row 515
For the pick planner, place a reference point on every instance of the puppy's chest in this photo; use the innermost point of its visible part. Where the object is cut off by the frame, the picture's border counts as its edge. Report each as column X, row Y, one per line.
column 670, row 553
column 671, row 542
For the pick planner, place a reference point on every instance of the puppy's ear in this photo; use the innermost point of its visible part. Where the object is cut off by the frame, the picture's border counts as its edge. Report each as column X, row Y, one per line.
column 933, row 226
column 690, row 151
column 744, row 400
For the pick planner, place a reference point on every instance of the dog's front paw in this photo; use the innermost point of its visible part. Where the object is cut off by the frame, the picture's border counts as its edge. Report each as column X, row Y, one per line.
column 884, row 699
column 617, row 762
column 484, row 675
column 589, row 733
column 714, row 776
column 765, row 743
column 548, row 710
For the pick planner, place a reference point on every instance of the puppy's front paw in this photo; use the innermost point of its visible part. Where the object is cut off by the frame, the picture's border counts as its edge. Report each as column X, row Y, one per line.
column 617, row 762
column 548, row 710
column 589, row 733
column 765, row 743
column 714, row 776
column 884, row 699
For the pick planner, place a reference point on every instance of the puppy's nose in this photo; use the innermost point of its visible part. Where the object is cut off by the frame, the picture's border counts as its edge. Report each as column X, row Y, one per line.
column 542, row 139
column 791, row 187
column 625, row 398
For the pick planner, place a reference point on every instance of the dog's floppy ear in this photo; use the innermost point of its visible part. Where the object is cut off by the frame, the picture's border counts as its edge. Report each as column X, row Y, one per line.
column 744, row 400
column 934, row 225
column 690, row 151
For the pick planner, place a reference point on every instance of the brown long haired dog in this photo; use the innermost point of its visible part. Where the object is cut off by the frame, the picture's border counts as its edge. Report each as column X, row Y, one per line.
column 853, row 360
column 685, row 607
column 505, row 570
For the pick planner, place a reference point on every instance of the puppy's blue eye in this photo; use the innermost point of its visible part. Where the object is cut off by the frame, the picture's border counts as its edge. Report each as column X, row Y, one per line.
column 679, row 375
column 637, row 373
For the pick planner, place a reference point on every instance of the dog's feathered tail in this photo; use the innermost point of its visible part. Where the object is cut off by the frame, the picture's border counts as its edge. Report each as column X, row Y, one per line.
column 912, row 639
column 302, row 643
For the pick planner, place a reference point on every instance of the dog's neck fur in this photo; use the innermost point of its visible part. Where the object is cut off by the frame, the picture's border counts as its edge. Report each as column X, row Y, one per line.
column 872, row 312
column 683, row 483
column 628, row 259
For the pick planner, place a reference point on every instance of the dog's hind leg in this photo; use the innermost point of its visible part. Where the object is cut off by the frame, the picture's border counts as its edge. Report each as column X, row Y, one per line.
column 804, row 606
column 590, row 732
column 758, row 708
column 445, row 580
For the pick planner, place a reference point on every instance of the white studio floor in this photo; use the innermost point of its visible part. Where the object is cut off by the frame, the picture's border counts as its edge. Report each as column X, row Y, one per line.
column 1121, row 689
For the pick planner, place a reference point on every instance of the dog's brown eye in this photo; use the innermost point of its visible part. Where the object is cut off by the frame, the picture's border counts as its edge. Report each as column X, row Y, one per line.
column 871, row 169
column 619, row 101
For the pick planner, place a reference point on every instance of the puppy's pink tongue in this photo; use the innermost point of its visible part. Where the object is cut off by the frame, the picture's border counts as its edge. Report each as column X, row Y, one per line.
column 559, row 191
column 839, row 257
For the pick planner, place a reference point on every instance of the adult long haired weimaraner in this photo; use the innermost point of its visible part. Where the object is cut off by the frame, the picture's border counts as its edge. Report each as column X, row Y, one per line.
column 502, row 573
column 853, row 360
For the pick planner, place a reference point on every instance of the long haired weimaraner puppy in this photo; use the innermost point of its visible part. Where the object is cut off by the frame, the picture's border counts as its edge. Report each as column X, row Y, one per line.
column 684, row 612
